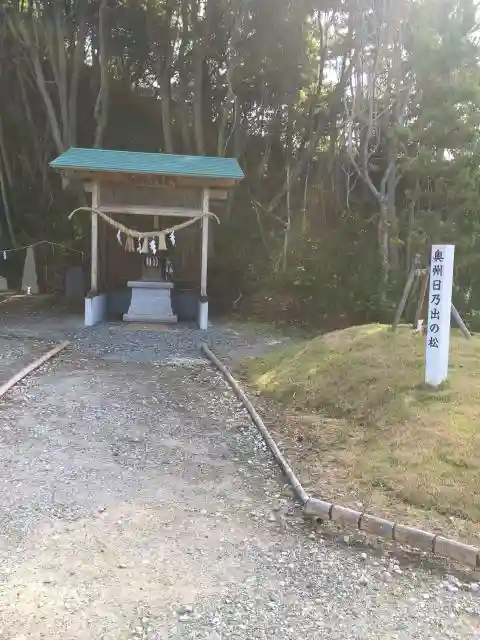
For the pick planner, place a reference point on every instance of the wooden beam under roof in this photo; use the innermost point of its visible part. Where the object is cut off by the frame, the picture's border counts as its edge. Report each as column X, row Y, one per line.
column 142, row 210
column 215, row 194
column 150, row 180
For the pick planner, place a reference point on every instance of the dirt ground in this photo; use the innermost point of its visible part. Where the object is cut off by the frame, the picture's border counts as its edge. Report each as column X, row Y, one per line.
column 136, row 501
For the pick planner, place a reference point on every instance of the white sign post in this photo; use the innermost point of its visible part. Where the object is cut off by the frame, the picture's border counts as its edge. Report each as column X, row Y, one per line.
column 439, row 313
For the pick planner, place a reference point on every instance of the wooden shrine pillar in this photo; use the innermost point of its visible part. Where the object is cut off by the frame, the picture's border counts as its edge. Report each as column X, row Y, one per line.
column 203, row 302
column 94, row 246
column 95, row 303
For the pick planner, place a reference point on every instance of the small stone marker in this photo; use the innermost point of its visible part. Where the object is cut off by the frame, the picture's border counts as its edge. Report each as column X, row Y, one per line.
column 29, row 280
column 3, row 284
column 439, row 312
column 74, row 283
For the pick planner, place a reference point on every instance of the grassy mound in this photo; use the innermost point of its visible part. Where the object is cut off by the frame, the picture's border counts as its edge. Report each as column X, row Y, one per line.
column 383, row 426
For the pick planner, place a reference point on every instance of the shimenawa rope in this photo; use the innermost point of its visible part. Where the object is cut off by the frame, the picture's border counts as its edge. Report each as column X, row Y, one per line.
column 132, row 233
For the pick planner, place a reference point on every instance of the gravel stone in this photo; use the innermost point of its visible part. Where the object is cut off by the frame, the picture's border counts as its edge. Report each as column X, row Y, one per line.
column 129, row 450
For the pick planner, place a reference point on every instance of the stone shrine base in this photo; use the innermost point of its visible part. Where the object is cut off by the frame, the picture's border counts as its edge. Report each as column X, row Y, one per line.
column 151, row 302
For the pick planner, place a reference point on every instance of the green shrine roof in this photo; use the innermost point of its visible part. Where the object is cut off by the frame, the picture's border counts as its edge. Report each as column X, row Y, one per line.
column 148, row 163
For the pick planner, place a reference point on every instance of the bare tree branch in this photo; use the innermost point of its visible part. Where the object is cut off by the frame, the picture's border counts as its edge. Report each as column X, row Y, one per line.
column 335, row 103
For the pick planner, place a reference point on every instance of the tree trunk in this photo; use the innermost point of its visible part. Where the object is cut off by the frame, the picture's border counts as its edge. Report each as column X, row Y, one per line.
column 6, row 206
column 197, row 104
column 394, row 240
column 3, row 156
column 288, row 223
column 166, row 116
column 36, row 163
column 21, row 34
column 392, row 149
column 199, row 31
column 61, row 36
column 183, row 79
column 383, row 249
column 411, row 225
column 101, row 106
column 78, row 62
column 52, row 117
column 305, row 201
column 185, row 127
column 388, row 190
column 222, row 131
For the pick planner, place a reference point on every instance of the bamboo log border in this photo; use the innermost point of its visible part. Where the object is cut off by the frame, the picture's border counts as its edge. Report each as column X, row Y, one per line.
column 4, row 388
column 328, row 511
column 299, row 491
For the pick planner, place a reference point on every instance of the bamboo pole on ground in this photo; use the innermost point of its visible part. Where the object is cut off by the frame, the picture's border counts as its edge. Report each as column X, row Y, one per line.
column 4, row 388
column 300, row 492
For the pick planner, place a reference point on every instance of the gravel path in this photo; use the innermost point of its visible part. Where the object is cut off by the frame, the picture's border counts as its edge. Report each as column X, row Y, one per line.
column 122, row 341
column 16, row 353
column 136, row 501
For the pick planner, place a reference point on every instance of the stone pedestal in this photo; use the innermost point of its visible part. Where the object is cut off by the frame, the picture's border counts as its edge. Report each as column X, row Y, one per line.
column 29, row 280
column 151, row 302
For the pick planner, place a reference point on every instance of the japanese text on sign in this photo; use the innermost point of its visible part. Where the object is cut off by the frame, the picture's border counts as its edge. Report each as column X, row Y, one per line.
column 435, row 302
column 434, row 311
column 439, row 312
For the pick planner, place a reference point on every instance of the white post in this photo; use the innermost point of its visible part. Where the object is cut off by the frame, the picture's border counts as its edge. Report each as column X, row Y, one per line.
column 203, row 304
column 94, row 266
column 439, row 312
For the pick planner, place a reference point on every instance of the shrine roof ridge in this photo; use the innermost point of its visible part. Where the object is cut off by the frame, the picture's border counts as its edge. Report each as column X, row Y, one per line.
column 136, row 162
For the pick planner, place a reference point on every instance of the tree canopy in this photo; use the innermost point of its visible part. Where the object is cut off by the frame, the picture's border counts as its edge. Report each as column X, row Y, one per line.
column 356, row 122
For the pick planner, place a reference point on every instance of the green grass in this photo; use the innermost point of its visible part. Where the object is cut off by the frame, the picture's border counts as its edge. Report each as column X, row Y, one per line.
column 387, row 429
